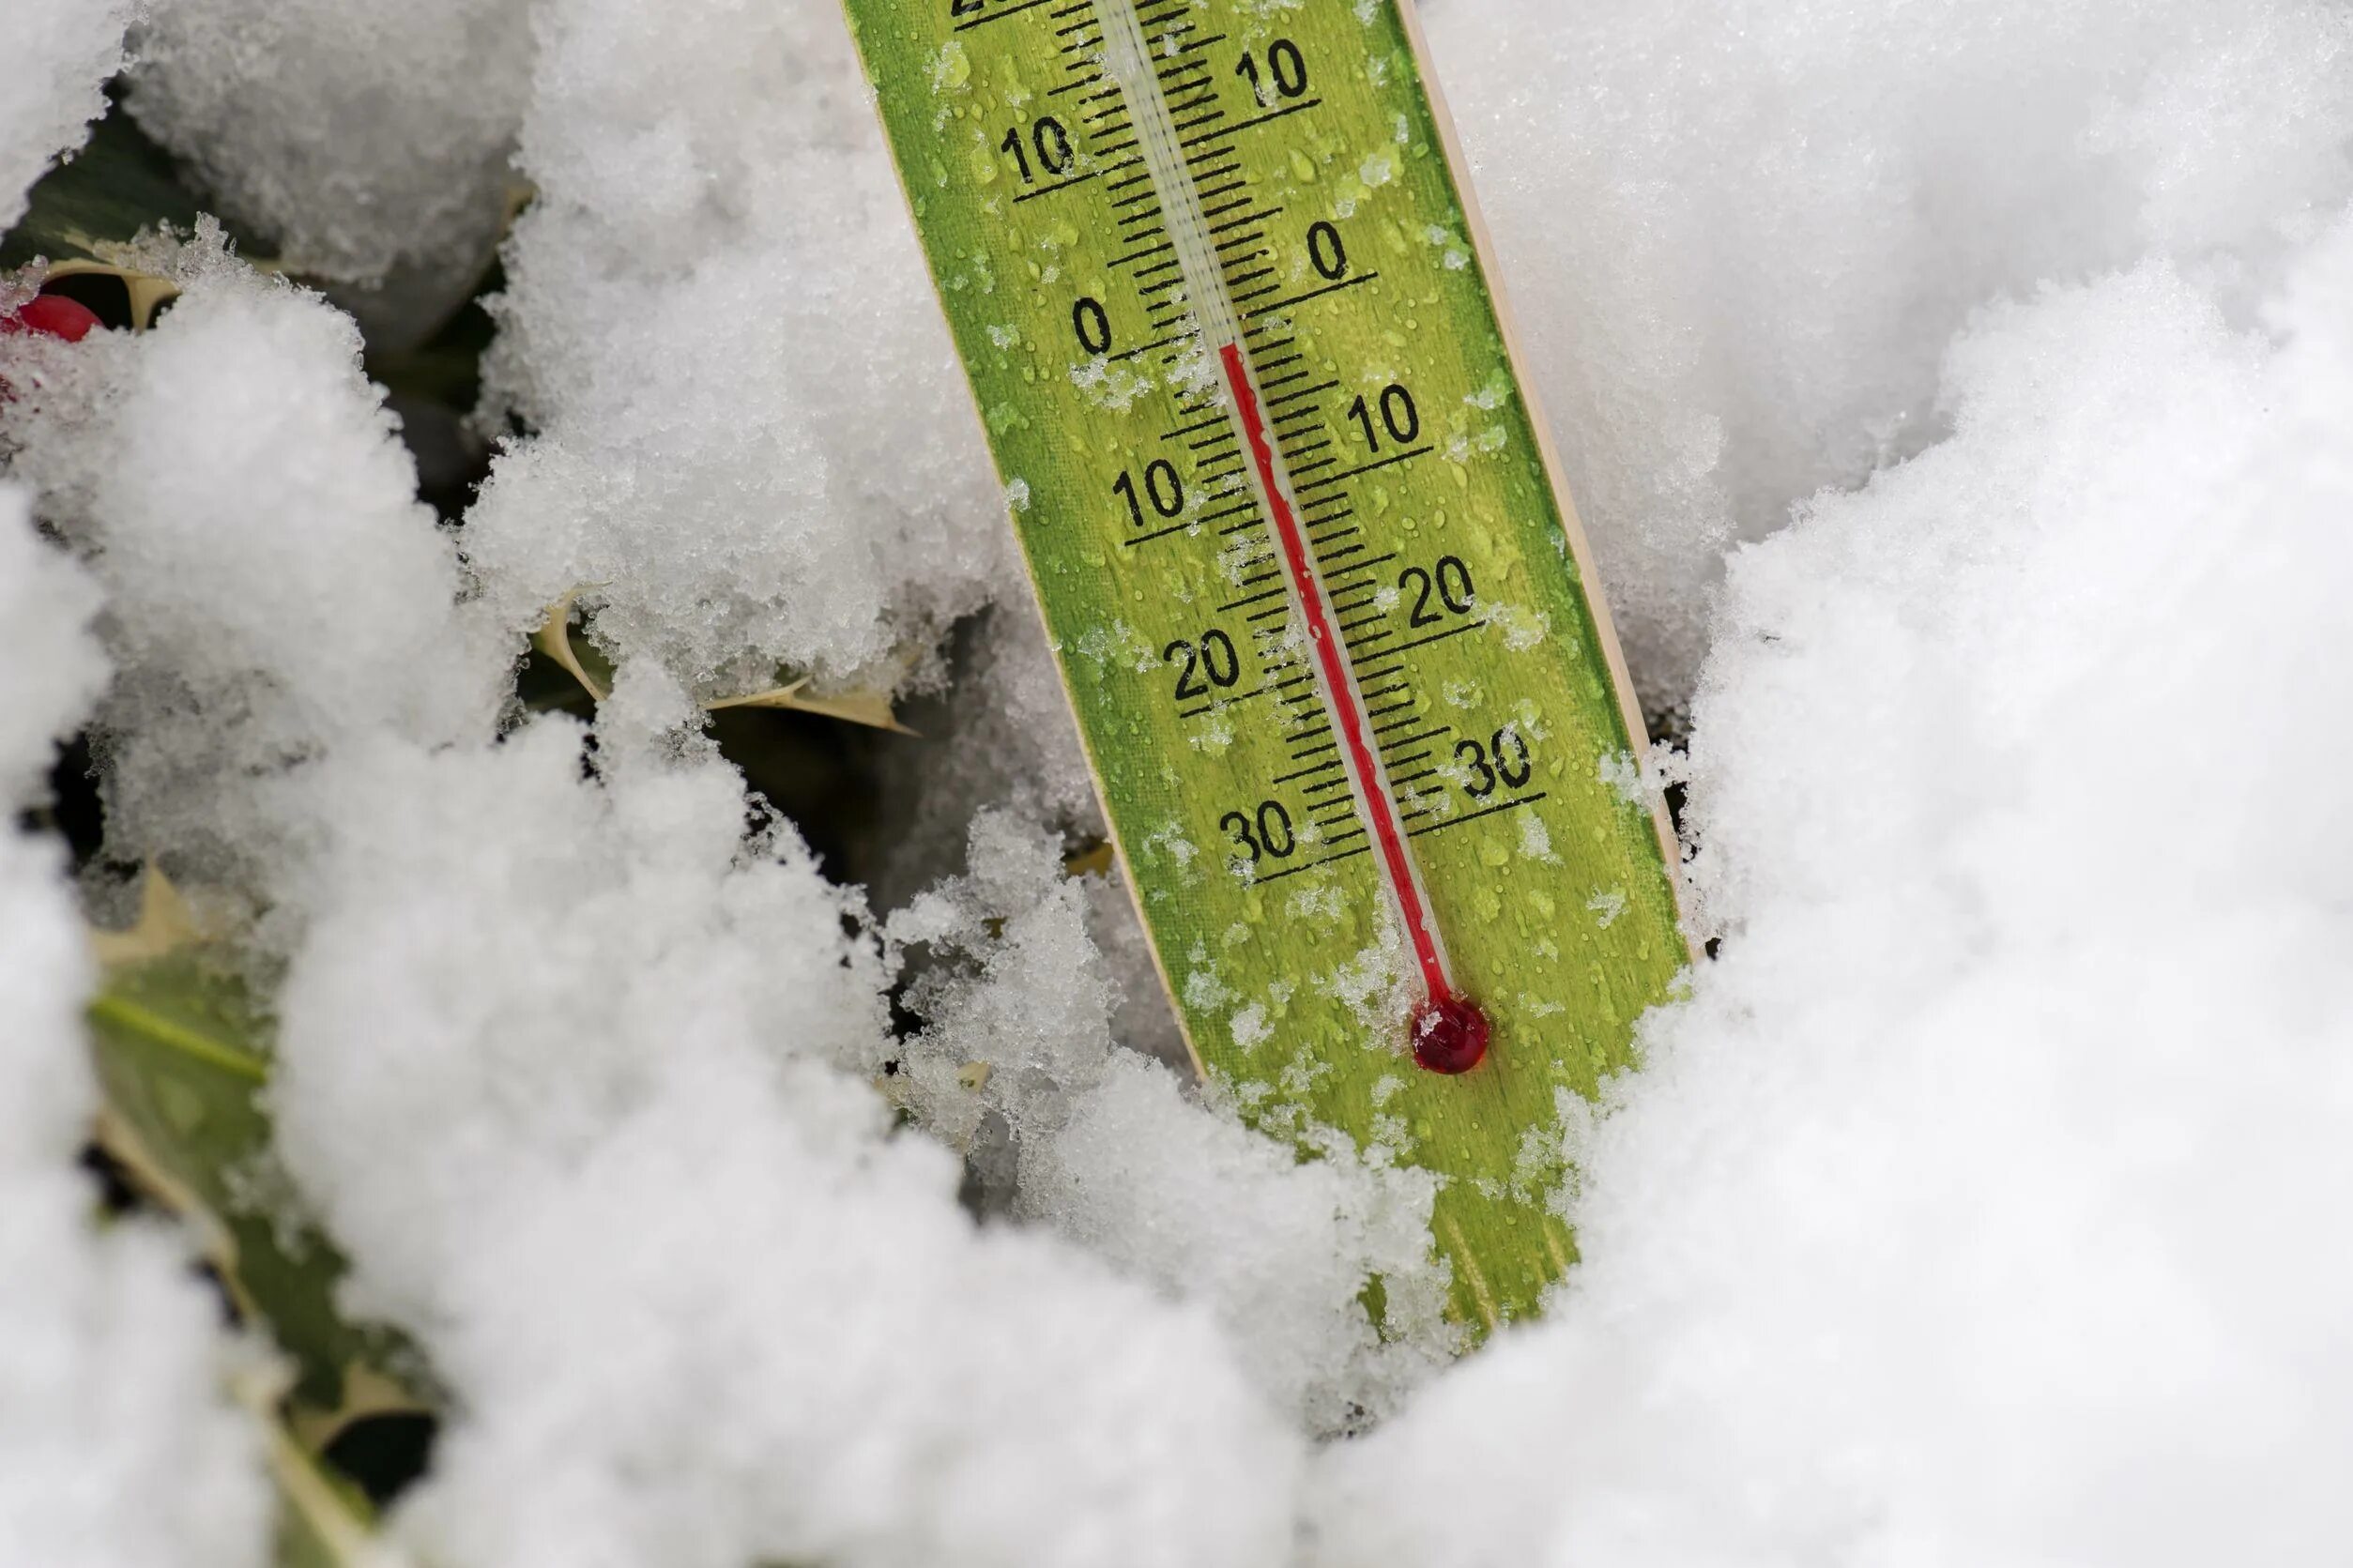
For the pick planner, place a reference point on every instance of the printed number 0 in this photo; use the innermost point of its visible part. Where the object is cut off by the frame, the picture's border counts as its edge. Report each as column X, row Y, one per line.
column 1326, row 252
column 1092, row 325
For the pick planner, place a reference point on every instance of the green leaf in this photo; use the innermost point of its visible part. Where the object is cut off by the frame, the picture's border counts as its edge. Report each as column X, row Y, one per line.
column 118, row 184
column 323, row 1520
column 182, row 1055
column 587, row 666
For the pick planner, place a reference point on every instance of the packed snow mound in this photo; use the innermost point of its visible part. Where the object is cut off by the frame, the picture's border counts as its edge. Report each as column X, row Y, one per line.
column 1968, row 1213
column 56, row 56
column 1740, row 235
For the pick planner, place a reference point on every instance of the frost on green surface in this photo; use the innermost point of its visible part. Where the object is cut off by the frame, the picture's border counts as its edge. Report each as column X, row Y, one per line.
column 1098, row 383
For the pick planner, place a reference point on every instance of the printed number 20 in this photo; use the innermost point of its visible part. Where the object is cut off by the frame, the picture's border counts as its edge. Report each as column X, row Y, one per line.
column 1448, row 581
column 1215, row 657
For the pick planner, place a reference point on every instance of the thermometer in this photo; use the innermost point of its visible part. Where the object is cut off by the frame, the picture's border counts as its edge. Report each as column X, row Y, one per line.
column 1359, row 723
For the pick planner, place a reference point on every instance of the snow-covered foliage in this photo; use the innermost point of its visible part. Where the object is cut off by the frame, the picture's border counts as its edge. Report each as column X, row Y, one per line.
column 118, row 1443
column 362, row 140
column 1976, row 1206
column 274, row 585
column 529, row 1008
column 718, row 325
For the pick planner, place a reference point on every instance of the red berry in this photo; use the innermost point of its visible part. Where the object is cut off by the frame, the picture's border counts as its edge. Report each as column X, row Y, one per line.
column 1450, row 1034
column 54, row 315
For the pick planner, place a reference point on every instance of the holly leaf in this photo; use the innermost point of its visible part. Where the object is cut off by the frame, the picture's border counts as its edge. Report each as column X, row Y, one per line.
column 118, row 184
column 323, row 1520
column 595, row 675
column 871, row 708
column 182, row 1055
column 1093, row 861
column 554, row 639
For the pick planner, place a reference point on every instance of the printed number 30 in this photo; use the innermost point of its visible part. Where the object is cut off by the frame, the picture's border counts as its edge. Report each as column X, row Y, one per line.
column 1504, row 757
column 1273, row 836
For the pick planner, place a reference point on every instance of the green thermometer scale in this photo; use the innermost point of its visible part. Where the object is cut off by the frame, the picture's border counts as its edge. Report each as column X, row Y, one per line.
column 1361, row 730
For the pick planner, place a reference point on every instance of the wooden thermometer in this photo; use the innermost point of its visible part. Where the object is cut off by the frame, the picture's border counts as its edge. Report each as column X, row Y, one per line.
column 1360, row 726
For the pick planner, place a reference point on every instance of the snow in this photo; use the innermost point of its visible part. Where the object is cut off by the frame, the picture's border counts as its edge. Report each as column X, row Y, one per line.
column 1105, row 1146
column 273, row 582
column 1971, row 1211
column 751, row 447
column 47, row 604
column 530, row 1005
column 1956, row 394
column 1738, row 237
column 364, row 143
column 1008, row 725
column 56, row 56
column 117, row 1445
column 542, row 1013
